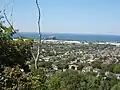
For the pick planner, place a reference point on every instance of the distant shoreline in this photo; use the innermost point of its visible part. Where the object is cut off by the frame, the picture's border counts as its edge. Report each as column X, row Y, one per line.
column 73, row 37
column 74, row 33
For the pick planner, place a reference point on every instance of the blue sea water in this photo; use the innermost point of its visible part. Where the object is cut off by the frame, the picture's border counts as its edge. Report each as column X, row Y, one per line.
column 78, row 37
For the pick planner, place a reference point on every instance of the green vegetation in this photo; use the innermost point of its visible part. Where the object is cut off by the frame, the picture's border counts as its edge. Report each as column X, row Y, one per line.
column 14, row 70
column 116, row 69
column 72, row 80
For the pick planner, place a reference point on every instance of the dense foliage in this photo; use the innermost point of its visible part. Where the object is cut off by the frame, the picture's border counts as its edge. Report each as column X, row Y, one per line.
column 72, row 80
column 14, row 57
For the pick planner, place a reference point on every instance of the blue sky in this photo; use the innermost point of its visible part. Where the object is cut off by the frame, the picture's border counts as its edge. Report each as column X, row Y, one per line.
column 67, row 16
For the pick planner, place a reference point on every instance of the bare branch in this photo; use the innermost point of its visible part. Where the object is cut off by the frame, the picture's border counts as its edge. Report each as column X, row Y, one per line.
column 32, row 54
column 39, row 15
column 6, row 15
column 37, row 57
column 39, row 31
column 7, row 5
column 12, row 13
column 8, row 20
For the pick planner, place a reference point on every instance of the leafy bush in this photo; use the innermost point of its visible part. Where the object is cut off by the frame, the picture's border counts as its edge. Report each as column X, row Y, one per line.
column 72, row 80
column 15, row 79
column 116, row 69
column 14, row 71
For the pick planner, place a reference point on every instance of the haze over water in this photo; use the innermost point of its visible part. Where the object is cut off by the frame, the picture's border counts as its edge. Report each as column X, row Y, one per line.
column 78, row 37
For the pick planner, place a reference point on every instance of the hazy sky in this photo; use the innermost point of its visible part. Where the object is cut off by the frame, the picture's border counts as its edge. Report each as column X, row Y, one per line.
column 67, row 16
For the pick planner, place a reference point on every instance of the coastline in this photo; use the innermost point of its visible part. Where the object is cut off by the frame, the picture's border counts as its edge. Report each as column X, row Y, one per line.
column 77, row 42
column 73, row 37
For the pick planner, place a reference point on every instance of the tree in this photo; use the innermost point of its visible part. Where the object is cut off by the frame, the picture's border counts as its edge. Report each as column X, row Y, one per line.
column 14, row 56
column 116, row 87
column 116, row 69
column 108, row 67
column 39, row 43
column 14, row 70
column 44, row 64
column 97, row 64
column 73, row 80
column 15, row 79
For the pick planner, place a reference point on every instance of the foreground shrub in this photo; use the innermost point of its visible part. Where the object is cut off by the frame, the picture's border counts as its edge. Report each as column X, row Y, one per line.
column 15, row 79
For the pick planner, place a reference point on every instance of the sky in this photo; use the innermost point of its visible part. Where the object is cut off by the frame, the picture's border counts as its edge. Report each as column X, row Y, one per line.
column 67, row 16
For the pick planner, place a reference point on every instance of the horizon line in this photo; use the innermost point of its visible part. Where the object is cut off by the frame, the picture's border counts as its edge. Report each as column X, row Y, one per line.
column 72, row 33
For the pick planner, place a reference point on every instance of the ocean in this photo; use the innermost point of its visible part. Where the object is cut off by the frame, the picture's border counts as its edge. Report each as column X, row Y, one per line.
column 76, row 37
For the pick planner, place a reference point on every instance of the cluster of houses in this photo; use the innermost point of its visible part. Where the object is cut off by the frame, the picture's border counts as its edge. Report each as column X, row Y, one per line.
column 79, row 55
